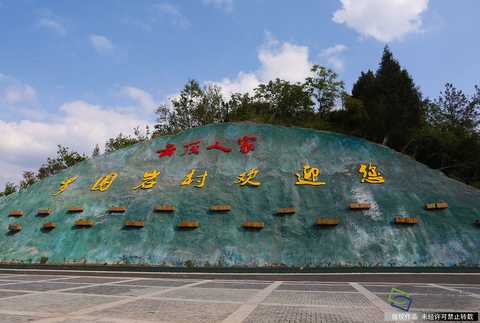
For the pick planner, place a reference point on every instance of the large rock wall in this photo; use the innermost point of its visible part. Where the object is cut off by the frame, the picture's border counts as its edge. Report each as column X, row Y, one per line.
column 441, row 238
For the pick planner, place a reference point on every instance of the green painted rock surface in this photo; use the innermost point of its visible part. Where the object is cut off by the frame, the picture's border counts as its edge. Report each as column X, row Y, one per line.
column 445, row 237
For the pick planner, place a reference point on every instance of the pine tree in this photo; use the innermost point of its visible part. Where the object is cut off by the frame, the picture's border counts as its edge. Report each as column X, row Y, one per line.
column 392, row 101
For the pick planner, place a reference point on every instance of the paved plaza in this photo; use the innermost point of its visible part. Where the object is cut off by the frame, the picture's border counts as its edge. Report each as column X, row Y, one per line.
column 82, row 299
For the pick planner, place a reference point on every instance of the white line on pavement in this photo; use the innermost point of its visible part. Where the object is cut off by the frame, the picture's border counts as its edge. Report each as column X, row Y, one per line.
column 456, row 290
column 386, row 308
column 115, row 303
column 244, row 311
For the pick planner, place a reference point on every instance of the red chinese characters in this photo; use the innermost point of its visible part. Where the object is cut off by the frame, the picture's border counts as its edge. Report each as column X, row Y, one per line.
column 192, row 148
column 217, row 145
column 168, row 151
column 247, row 144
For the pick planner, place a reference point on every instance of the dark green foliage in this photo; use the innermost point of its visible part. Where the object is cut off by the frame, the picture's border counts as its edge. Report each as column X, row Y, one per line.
column 119, row 142
column 28, row 179
column 10, row 188
column 283, row 101
column 449, row 139
column 455, row 111
column 122, row 141
column 392, row 102
column 351, row 118
column 278, row 102
column 194, row 107
column 64, row 159
column 324, row 88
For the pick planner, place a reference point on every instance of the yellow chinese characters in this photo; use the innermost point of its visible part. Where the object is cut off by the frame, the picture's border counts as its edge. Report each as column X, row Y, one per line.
column 370, row 174
column 246, row 178
column 65, row 184
column 148, row 181
column 189, row 179
column 309, row 177
column 104, row 182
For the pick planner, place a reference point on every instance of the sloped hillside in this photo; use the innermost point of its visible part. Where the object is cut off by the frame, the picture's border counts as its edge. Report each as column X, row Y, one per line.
column 442, row 237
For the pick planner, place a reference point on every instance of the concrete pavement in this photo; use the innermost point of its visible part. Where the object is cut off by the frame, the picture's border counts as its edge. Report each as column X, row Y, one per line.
column 70, row 297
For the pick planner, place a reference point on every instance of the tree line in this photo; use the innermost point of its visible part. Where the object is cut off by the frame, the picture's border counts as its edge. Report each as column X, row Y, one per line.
column 385, row 106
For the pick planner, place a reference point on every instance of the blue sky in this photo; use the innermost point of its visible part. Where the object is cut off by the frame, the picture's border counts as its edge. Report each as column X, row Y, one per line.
column 79, row 72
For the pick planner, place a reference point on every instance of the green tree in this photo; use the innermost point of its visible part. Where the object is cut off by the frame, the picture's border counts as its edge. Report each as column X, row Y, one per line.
column 65, row 158
column 325, row 89
column 351, row 118
column 119, row 142
column 10, row 188
column 122, row 141
column 195, row 106
column 96, row 151
column 449, row 140
column 453, row 110
column 28, row 179
column 392, row 101
column 284, row 102
column 183, row 114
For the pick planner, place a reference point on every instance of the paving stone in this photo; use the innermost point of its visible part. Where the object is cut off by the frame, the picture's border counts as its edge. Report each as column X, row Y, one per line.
column 232, row 285
column 30, row 277
column 246, row 281
column 169, row 311
column 9, row 294
column 293, row 314
column 317, row 287
column 112, row 290
column 38, row 286
column 2, row 282
column 213, row 294
column 318, row 298
column 87, row 320
column 92, row 280
column 448, row 302
column 212, row 301
column 413, row 289
column 7, row 318
column 52, row 303
column 474, row 290
column 157, row 282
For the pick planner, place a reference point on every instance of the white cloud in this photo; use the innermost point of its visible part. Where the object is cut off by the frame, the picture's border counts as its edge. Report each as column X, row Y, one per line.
column 18, row 93
column 384, row 20
column 226, row 5
column 332, row 56
column 102, row 44
column 286, row 61
column 245, row 82
column 27, row 143
column 17, row 99
column 48, row 20
column 80, row 125
column 53, row 24
column 10, row 173
column 140, row 96
column 173, row 12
